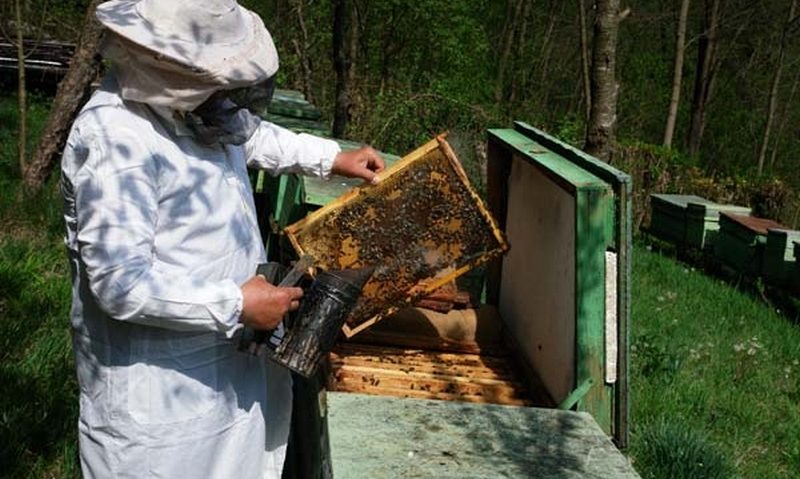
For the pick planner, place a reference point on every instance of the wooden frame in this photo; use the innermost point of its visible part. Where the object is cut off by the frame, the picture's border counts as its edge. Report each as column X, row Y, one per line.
column 430, row 284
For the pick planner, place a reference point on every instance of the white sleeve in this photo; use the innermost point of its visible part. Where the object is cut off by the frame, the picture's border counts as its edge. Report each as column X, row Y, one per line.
column 116, row 195
column 278, row 150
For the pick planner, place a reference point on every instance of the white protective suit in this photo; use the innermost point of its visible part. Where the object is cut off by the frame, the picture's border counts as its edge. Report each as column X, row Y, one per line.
column 161, row 231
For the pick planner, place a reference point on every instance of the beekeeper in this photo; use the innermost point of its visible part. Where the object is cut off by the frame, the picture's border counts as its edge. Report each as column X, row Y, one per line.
column 163, row 242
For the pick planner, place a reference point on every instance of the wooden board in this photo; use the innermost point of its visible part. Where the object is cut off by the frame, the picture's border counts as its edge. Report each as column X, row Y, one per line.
column 594, row 230
column 537, row 299
column 387, row 371
column 420, row 228
column 385, row 437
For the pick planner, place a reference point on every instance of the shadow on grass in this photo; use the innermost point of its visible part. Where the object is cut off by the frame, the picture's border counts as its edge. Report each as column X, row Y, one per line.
column 38, row 391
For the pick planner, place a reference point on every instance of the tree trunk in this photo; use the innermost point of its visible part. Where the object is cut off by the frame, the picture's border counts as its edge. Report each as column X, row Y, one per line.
column 301, row 48
column 677, row 74
column 704, row 77
column 603, row 114
column 773, row 93
column 513, row 14
column 340, row 66
column 520, row 53
column 587, row 87
column 22, row 131
column 72, row 93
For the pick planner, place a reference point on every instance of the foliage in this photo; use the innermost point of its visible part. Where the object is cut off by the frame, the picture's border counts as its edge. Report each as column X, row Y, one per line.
column 38, row 109
column 657, row 169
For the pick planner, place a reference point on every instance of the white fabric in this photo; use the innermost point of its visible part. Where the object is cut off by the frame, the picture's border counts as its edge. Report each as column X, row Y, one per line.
column 160, row 233
column 145, row 79
column 217, row 39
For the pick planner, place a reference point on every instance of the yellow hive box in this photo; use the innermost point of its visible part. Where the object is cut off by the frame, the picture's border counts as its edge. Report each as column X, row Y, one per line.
column 421, row 227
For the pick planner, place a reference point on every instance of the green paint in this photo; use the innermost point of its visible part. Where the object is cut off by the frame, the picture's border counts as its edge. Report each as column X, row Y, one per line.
column 779, row 255
column 567, row 174
column 622, row 239
column 592, row 238
column 702, row 223
column 576, row 395
column 739, row 247
column 602, row 223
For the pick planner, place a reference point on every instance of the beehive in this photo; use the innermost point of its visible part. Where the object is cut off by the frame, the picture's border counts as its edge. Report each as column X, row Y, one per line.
column 779, row 260
column 668, row 216
column 702, row 223
column 421, row 227
column 741, row 242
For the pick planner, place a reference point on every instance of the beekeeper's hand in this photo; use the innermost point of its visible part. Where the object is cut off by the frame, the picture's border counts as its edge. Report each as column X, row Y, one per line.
column 364, row 163
column 265, row 305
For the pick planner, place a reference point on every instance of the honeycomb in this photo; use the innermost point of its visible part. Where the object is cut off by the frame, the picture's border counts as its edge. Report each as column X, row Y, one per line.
column 419, row 228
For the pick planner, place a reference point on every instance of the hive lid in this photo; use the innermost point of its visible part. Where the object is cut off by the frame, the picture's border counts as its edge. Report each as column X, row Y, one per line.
column 676, row 201
column 753, row 224
column 712, row 210
column 421, row 227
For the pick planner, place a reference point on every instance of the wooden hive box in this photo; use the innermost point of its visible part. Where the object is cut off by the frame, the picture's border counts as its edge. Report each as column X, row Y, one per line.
column 741, row 242
column 702, row 223
column 794, row 275
column 420, row 228
column 779, row 260
column 668, row 216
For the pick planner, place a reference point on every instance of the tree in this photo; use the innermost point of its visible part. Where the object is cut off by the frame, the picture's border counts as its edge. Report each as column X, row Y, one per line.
column 585, row 79
column 72, row 93
column 603, row 114
column 18, row 41
column 22, row 131
column 705, row 74
column 677, row 75
column 773, row 93
column 302, row 49
column 341, row 65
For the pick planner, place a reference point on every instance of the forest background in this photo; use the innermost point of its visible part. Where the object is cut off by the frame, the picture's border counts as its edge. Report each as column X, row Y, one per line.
column 393, row 73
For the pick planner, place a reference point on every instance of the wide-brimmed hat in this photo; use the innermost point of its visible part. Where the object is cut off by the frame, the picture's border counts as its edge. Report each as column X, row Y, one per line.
column 217, row 39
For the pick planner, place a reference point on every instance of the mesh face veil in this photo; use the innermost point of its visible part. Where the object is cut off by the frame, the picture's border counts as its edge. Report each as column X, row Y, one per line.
column 231, row 116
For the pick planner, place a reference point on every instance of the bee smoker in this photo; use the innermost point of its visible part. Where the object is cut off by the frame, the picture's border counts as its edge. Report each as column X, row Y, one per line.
column 306, row 335
column 316, row 325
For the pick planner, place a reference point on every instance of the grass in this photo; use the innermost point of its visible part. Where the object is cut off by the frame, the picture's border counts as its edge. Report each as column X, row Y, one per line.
column 713, row 365
column 715, row 389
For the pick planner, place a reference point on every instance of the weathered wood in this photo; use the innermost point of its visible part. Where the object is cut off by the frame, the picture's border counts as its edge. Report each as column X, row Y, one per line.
column 601, row 221
column 385, row 437
column 435, row 305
